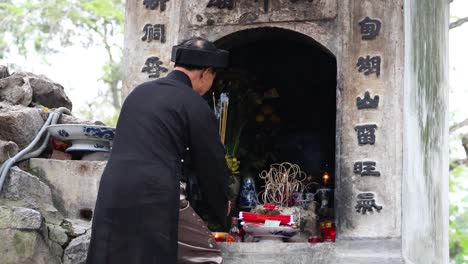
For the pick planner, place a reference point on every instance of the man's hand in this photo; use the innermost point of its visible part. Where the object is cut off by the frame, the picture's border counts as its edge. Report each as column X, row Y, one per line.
column 229, row 208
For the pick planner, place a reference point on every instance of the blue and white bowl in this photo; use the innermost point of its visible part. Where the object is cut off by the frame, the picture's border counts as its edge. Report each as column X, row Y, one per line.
column 67, row 132
column 88, row 145
column 84, row 137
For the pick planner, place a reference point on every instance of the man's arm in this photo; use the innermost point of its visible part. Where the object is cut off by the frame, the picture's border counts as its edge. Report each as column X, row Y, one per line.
column 208, row 159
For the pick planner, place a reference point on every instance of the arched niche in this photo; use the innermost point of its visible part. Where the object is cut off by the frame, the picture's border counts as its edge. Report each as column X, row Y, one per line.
column 296, row 76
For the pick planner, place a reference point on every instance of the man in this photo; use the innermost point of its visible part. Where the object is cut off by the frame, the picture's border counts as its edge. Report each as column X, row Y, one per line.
column 165, row 129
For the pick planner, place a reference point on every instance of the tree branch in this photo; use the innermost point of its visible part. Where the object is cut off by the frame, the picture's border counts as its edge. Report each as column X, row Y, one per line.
column 458, row 22
column 457, row 126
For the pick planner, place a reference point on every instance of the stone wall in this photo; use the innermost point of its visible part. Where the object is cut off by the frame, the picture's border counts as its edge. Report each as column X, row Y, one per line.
column 40, row 219
column 425, row 174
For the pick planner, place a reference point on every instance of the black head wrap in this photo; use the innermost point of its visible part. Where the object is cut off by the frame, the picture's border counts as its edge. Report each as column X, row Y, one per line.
column 200, row 57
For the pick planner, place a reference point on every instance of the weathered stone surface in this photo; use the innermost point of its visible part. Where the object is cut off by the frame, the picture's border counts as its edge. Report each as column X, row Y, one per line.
column 24, row 247
column 74, row 183
column 8, row 149
column 19, row 218
column 68, row 119
column 48, row 93
column 57, row 234
column 26, row 190
column 425, row 201
column 55, row 249
column 16, row 90
column 19, row 124
column 4, row 72
column 250, row 12
column 77, row 250
column 76, row 227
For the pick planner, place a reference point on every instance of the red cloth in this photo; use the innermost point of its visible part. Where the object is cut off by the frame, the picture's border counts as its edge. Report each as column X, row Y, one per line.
column 253, row 217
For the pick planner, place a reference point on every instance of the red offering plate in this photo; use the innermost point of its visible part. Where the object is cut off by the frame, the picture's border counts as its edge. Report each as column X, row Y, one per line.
column 253, row 217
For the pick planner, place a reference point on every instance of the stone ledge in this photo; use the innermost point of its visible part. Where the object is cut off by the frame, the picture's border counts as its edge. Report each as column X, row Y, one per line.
column 382, row 251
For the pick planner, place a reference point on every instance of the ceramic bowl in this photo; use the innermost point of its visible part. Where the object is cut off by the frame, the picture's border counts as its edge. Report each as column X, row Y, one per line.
column 67, row 132
column 89, row 145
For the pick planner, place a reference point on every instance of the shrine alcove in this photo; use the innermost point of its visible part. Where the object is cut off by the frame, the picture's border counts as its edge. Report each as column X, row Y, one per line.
column 290, row 80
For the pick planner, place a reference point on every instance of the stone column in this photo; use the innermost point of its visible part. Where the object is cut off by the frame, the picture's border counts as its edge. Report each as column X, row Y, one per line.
column 371, row 69
column 425, row 168
column 151, row 29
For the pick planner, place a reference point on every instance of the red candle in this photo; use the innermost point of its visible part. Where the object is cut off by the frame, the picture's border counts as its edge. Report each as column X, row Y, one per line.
column 219, row 236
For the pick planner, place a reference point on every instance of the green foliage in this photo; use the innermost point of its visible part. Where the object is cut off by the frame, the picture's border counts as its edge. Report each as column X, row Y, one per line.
column 458, row 230
column 42, row 27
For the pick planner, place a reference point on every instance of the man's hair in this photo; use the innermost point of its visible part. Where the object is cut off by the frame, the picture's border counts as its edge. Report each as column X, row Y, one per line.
column 196, row 43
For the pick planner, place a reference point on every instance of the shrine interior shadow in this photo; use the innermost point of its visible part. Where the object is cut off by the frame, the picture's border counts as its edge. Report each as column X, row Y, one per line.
column 283, row 83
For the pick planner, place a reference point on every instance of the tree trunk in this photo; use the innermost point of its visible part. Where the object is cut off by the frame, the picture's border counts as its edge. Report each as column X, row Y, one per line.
column 4, row 72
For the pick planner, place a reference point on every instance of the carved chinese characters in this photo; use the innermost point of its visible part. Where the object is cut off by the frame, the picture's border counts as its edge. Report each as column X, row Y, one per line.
column 366, row 203
column 154, row 4
column 221, row 4
column 154, row 32
column 366, row 168
column 370, row 28
column 157, row 33
column 229, row 4
column 367, row 102
column 369, row 66
column 366, row 134
column 153, row 67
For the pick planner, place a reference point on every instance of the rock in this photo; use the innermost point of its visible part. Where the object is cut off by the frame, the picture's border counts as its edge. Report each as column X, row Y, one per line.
column 25, row 247
column 60, row 155
column 55, row 249
column 8, row 149
column 19, row 124
column 74, row 184
column 24, row 189
column 77, row 250
column 4, row 72
column 48, row 93
column 76, row 227
column 57, row 234
column 16, row 90
column 20, row 218
column 68, row 119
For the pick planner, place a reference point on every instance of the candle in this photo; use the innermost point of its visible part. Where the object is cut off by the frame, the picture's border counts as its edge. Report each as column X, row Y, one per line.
column 219, row 236
column 325, row 178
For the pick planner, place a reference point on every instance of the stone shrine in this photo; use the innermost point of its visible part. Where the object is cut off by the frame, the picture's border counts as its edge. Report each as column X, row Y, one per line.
column 371, row 76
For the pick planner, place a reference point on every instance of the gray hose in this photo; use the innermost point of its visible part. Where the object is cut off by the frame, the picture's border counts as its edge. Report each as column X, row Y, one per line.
column 25, row 153
column 56, row 116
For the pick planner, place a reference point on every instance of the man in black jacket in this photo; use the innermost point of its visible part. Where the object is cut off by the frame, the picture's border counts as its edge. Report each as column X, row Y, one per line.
column 165, row 129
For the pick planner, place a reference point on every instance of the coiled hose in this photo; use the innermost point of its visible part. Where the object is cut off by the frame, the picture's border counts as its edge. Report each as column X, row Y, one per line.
column 28, row 152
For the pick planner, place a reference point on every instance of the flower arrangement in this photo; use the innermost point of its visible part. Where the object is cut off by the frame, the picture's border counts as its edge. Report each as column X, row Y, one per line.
column 233, row 164
column 268, row 208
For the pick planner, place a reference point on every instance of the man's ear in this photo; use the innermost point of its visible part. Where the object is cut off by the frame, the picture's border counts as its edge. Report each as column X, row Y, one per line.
column 205, row 72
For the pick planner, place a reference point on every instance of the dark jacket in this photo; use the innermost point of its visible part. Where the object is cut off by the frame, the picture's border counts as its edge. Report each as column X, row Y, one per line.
column 162, row 124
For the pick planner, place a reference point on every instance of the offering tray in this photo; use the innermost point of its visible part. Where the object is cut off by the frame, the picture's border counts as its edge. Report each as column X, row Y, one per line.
column 269, row 234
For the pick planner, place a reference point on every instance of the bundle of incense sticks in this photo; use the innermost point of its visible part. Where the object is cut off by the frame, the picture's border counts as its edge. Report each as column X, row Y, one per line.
column 223, row 115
